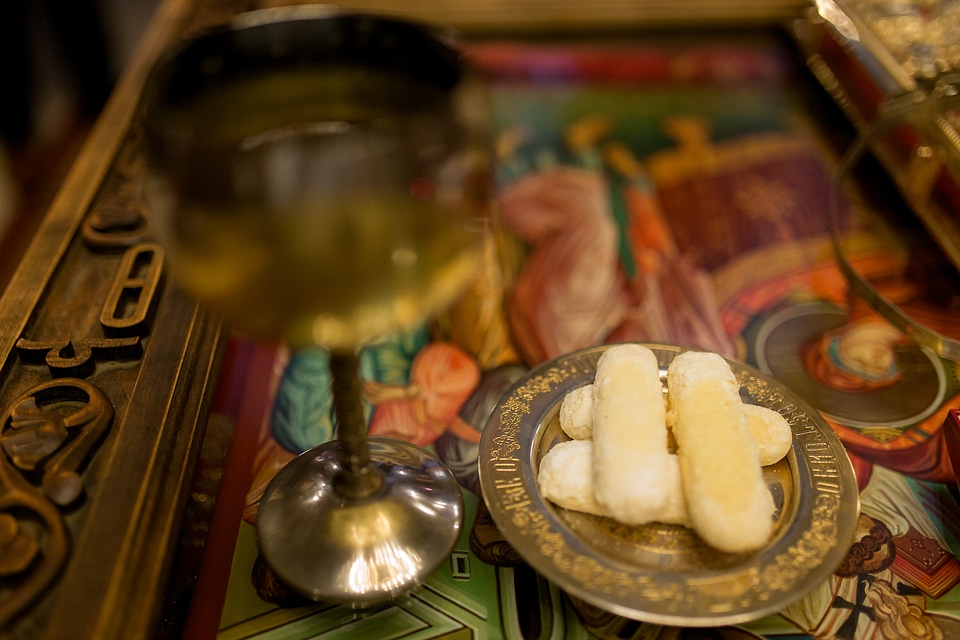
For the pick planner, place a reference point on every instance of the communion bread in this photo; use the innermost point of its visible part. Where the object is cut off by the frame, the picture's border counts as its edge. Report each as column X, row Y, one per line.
column 566, row 476
column 629, row 435
column 566, row 479
column 728, row 502
column 770, row 431
column 675, row 507
column 576, row 413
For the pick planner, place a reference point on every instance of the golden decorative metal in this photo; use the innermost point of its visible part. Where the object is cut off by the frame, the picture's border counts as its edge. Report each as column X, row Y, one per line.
column 133, row 293
column 75, row 313
column 35, row 431
column 657, row 572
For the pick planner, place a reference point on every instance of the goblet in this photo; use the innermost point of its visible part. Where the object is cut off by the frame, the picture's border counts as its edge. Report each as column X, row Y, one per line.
column 324, row 178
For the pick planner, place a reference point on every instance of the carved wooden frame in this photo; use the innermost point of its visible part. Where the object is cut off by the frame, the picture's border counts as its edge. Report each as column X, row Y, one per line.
column 106, row 382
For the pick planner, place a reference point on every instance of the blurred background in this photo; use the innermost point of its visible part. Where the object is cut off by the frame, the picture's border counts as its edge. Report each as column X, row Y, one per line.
column 59, row 60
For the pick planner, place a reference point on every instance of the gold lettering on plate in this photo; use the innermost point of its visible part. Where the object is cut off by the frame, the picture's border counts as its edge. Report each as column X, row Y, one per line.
column 807, row 431
column 825, row 473
column 828, row 487
column 513, row 494
column 509, row 485
column 825, row 469
column 800, row 558
column 509, row 465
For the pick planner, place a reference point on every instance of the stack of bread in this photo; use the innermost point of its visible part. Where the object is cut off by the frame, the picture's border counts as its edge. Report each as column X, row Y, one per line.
column 619, row 462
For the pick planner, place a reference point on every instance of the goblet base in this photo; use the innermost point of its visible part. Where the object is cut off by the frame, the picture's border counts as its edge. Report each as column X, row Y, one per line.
column 330, row 547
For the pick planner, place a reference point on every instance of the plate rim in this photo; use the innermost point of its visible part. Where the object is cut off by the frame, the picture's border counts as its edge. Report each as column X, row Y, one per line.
column 806, row 551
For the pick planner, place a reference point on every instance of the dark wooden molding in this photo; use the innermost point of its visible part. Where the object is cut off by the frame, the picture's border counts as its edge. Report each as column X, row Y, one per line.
column 106, row 384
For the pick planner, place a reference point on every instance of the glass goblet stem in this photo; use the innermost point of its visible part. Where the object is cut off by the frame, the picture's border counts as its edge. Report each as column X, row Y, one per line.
column 358, row 478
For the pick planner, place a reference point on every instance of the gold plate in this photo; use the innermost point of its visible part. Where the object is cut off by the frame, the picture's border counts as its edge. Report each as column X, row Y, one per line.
column 665, row 573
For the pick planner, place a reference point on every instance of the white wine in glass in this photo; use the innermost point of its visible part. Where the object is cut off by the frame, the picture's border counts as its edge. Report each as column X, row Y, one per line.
column 324, row 178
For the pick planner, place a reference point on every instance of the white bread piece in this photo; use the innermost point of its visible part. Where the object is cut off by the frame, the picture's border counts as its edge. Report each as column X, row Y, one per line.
column 629, row 435
column 576, row 413
column 770, row 431
column 675, row 509
column 728, row 502
column 566, row 476
column 566, row 479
